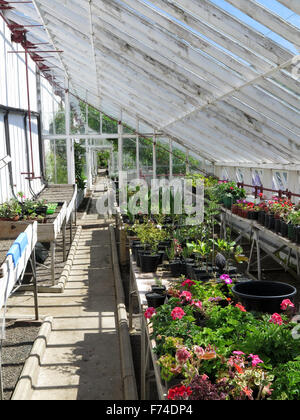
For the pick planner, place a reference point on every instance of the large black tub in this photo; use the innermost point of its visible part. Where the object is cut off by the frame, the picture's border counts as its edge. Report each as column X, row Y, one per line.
column 263, row 296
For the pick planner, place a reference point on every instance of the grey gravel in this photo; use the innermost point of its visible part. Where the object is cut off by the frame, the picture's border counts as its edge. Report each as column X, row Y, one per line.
column 17, row 346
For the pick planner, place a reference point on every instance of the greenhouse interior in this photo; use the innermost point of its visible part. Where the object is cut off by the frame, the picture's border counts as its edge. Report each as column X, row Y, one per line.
column 150, row 202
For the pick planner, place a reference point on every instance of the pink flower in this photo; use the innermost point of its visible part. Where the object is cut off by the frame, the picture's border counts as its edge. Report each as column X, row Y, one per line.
column 177, row 313
column 239, row 353
column 276, row 319
column 199, row 351
column 197, row 303
column 286, row 304
column 187, row 296
column 248, row 392
column 183, row 355
column 255, row 359
column 149, row 313
column 226, row 279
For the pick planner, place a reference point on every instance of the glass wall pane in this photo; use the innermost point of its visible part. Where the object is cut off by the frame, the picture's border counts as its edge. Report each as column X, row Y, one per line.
column 56, row 161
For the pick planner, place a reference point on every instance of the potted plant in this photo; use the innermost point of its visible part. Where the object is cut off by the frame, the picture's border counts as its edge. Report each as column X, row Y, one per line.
column 11, row 210
column 175, row 255
column 202, row 250
column 158, row 287
column 150, row 236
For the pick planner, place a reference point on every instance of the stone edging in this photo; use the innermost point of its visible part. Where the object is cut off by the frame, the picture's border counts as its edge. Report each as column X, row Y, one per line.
column 128, row 375
column 30, row 372
column 60, row 286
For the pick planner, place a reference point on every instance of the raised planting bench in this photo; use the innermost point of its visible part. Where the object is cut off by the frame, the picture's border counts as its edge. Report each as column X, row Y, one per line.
column 263, row 239
column 140, row 284
column 65, row 195
column 59, row 193
column 12, row 267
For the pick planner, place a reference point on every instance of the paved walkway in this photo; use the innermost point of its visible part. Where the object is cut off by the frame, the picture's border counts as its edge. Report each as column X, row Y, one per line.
column 82, row 359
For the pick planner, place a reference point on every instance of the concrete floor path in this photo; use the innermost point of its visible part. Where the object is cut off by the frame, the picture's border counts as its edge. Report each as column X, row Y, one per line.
column 82, row 359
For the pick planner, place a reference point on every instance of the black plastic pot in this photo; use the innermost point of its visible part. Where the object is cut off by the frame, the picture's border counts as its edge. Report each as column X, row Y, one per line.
column 263, row 296
column 134, row 245
column 277, row 225
column 292, row 233
column 138, row 250
column 155, row 300
column 298, row 235
column 176, row 268
column 284, row 229
column 261, row 217
column 161, row 256
column 159, row 289
column 190, row 269
column 231, row 271
column 41, row 211
column 254, row 215
column 202, row 275
column 270, row 221
column 148, row 262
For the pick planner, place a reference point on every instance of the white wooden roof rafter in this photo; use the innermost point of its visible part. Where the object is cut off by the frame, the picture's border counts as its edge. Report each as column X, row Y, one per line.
column 187, row 68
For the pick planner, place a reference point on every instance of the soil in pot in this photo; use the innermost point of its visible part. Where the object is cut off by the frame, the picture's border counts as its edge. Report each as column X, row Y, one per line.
column 155, row 300
column 263, row 296
column 149, row 263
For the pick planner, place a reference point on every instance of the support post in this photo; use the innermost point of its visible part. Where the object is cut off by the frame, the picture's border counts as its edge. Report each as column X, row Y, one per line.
column 170, row 159
column 154, row 156
column 120, row 146
column 137, row 150
column 187, row 163
column 69, row 142
column 52, row 250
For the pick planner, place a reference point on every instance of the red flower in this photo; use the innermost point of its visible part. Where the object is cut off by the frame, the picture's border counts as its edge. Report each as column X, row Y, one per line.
column 241, row 307
column 286, row 303
column 188, row 283
column 238, row 368
column 179, row 393
column 276, row 319
column 149, row 313
column 177, row 313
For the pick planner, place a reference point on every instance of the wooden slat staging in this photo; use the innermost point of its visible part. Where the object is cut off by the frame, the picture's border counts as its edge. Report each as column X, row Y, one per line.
column 187, row 68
